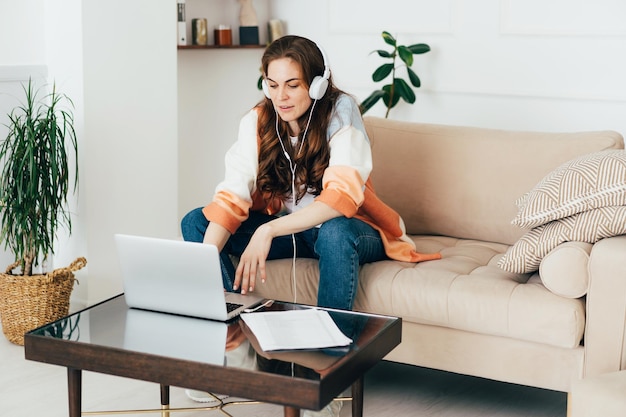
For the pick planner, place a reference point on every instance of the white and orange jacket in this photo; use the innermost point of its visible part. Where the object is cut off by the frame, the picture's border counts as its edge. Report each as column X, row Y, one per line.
column 346, row 186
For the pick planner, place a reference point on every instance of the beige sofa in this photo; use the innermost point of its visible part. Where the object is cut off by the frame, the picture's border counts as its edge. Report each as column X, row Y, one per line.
column 457, row 188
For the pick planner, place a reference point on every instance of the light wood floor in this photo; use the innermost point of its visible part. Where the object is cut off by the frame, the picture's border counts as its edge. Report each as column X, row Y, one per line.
column 31, row 389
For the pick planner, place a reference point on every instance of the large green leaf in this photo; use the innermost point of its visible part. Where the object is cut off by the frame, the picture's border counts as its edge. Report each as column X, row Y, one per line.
column 390, row 99
column 389, row 40
column 404, row 90
column 382, row 72
column 384, row 54
column 369, row 102
column 415, row 80
column 405, row 55
column 419, row 48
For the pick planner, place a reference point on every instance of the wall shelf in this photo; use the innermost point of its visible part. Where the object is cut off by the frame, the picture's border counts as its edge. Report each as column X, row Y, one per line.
column 221, row 46
column 223, row 12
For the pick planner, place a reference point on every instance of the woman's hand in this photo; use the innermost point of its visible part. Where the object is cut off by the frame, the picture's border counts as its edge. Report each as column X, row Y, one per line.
column 252, row 260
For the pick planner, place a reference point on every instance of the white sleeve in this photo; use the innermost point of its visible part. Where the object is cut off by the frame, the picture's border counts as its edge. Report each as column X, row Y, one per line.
column 350, row 148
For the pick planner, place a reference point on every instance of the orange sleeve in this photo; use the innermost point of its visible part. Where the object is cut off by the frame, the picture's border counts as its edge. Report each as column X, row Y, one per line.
column 227, row 210
column 342, row 190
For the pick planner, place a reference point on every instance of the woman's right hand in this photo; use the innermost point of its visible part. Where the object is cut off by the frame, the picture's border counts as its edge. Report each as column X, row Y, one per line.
column 252, row 260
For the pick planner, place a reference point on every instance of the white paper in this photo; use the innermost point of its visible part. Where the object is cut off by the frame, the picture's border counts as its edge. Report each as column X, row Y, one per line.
column 295, row 329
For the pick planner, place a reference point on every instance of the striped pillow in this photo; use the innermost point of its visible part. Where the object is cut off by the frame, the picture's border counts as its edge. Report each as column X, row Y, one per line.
column 590, row 226
column 584, row 183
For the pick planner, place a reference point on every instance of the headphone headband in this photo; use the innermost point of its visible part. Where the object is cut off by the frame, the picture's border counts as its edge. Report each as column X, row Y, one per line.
column 326, row 73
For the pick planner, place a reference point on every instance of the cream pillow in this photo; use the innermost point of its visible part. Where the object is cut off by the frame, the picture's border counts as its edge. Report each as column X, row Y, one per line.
column 564, row 269
column 590, row 226
column 593, row 180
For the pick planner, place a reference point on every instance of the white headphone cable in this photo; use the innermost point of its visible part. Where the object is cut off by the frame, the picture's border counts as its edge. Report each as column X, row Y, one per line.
column 292, row 168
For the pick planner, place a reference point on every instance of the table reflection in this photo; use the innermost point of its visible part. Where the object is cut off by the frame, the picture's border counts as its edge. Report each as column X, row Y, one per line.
column 113, row 324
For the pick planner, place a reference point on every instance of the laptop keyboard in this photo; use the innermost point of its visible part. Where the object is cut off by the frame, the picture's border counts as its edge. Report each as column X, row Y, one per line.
column 232, row 306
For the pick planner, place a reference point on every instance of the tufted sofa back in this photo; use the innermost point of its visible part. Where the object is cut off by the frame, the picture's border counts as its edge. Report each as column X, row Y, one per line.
column 464, row 181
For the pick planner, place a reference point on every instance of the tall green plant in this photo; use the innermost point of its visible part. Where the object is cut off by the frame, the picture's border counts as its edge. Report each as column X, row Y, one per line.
column 36, row 177
column 398, row 88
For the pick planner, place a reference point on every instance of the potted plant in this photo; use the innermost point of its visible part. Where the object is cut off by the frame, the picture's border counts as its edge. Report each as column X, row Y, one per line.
column 35, row 159
column 398, row 88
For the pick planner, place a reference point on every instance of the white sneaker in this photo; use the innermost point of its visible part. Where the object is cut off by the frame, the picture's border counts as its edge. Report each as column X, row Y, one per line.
column 204, row 397
column 331, row 410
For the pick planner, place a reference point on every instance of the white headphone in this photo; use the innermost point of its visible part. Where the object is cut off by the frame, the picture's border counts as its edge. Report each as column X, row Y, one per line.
column 318, row 86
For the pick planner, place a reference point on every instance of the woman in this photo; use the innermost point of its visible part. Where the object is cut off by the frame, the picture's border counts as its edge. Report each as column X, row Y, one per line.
column 297, row 178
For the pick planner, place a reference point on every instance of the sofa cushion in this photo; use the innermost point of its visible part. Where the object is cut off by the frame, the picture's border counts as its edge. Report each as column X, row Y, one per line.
column 590, row 226
column 465, row 290
column 594, row 180
column 564, row 269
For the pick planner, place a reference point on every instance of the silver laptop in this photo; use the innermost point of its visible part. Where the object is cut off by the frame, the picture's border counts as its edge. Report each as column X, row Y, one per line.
column 178, row 277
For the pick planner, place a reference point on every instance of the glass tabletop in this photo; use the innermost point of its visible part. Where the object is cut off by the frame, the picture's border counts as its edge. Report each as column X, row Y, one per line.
column 112, row 325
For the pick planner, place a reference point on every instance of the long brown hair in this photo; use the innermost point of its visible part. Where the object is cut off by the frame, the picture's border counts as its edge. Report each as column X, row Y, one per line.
column 274, row 176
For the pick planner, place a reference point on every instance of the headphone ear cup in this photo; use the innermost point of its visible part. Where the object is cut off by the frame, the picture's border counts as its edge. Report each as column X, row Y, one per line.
column 266, row 89
column 318, row 87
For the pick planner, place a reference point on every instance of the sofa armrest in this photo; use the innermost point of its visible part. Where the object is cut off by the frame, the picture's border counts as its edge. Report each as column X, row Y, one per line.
column 606, row 307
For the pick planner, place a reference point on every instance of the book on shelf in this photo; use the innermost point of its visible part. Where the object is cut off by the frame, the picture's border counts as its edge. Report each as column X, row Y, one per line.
column 182, row 23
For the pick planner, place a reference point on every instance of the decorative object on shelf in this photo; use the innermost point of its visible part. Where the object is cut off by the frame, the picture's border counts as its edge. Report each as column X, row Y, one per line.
column 223, row 35
column 275, row 29
column 248, row 24
column 398, row 88
column 182, row 23
column 37, row 157
column 249, row 35
column 199, row 31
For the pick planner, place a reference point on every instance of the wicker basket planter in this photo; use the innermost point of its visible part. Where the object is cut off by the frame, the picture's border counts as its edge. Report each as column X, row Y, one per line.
column 28, row 302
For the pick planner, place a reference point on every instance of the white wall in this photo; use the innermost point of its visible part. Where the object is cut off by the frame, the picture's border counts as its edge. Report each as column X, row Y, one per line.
column 131, row 129
column 513, row 64
column 522, row 64
column 214, row 98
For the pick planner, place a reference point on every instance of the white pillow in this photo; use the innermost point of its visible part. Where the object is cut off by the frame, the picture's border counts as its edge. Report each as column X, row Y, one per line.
column 593, row 180
column 590, row 226
column 564, row 270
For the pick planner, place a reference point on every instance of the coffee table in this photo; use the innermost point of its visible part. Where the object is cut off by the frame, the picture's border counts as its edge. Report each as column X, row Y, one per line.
column 110, row 338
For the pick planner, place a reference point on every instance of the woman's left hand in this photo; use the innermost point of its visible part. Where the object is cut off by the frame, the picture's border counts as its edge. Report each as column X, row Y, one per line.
column 252, row 260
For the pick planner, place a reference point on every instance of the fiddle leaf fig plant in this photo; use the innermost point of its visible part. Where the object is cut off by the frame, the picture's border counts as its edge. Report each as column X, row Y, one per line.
column 397, row 88
column 36, row 173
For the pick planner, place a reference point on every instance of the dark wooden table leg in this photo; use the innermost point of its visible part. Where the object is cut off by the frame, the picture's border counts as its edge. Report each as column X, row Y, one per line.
column 74, row 383
column 165, row 394
column 357, row 397
column 165, row 400
column 292, row 412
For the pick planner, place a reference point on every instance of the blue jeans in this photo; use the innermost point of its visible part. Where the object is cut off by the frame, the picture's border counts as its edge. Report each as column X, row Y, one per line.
column 340, row 245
